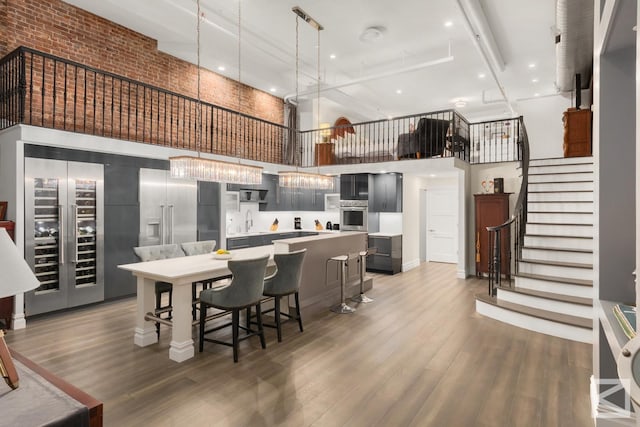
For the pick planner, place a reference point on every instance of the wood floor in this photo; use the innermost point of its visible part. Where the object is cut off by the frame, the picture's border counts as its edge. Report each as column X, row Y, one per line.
column 418, row 356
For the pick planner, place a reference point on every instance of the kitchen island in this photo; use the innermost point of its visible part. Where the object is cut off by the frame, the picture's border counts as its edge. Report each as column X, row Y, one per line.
column 320, row 283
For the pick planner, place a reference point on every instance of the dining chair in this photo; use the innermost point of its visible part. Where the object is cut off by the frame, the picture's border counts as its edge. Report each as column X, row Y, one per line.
column 244, row 290
column 153, row 253
column 199, row 248
column 285, row 281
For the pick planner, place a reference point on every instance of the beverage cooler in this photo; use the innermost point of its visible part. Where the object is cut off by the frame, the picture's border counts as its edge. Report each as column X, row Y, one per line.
column 64, row 238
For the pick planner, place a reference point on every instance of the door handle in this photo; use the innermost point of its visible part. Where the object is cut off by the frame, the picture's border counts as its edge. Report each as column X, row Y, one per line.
column 171, row 224
column 75, row 233
column 162, row 225
column 60, row 235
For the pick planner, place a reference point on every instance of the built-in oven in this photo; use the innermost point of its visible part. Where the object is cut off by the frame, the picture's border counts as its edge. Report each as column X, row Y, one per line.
column 354, row 215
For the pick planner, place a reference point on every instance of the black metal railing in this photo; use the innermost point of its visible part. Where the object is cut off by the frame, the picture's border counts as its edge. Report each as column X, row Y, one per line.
column 443, row 133
column 500, row 236
column 40, row 89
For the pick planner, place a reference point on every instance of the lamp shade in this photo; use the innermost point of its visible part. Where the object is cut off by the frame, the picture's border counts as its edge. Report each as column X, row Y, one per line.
column 17, row 277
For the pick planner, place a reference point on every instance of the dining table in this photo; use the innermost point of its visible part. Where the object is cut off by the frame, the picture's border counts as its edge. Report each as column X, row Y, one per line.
column 181, row 272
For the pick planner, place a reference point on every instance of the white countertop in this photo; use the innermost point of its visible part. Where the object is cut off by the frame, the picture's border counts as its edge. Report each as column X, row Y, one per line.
column 320, row 236
column 279, row 231
column 385, row 234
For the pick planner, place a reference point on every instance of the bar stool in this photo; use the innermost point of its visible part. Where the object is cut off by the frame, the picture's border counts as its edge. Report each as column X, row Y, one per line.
column 363, row 258
column 343, row 308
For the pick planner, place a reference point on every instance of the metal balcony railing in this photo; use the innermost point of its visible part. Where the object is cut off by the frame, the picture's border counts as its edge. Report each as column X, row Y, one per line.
column 40, row 89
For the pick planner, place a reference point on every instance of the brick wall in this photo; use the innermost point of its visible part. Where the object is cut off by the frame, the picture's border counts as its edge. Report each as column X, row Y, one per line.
column 55, row 27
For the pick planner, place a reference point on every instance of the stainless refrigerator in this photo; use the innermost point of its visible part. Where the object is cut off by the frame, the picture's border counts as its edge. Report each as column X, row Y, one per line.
column 168, row 208
column 64, row 233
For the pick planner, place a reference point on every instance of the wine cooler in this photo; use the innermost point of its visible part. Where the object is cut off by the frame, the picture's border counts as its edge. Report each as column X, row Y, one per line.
column 64, row 233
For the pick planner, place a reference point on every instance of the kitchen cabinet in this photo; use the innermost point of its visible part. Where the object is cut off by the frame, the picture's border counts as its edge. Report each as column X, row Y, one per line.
column 354, row 186
column 386, row 194
column 208, row 215
column 388, row 258
column 491, row 210
column 280, row 199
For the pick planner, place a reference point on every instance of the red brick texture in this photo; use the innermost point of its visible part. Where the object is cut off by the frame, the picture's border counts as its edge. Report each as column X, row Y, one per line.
column 102, row 105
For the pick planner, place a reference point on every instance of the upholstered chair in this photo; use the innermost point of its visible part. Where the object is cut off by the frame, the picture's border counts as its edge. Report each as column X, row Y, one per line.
column 153, row 253
column 244, row 291
column 199, row 248
column 285, row 281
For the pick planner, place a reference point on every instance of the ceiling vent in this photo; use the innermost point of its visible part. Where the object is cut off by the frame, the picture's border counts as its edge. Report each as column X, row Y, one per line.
column 574, row 43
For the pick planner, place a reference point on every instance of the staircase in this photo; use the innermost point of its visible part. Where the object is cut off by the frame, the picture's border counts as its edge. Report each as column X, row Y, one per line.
column 552, row 292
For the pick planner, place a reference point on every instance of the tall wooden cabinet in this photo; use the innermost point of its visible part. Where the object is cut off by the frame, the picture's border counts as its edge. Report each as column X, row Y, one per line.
column 491, row 209
column 577, row 133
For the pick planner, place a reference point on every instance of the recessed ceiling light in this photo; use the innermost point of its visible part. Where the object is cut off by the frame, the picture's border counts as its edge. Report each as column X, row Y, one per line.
column 448, row 24
column 332, row 56
column 273, row 89
column 534, row 80
column 532, row 65
column 536, row 94
column 482, row 75
column 399, row 91
column 432, row 175
column 460, row 104
column 221, row 68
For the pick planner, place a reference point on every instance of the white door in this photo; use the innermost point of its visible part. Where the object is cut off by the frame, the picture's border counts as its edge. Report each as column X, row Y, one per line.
column 442, row 225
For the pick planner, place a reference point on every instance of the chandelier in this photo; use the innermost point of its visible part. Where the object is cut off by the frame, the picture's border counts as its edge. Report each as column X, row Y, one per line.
column 201, row 169
column 305, row 179
column 214, row 170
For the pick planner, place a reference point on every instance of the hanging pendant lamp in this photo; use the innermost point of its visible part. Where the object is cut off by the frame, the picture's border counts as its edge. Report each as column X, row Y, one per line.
column 201, row 169
column 296, row 179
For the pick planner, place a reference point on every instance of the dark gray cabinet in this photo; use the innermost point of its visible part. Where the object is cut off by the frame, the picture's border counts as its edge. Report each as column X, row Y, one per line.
column 388, row 258
column 354, row 186
column 208, row 216
column 263, row 239
column 386, row 195
column 276, row 198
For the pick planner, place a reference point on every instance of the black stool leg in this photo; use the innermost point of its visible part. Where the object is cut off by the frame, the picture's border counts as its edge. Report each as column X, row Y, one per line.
column 235, row 322
column 203, row 309
column 263, row 343
column 298, row 312
column 248, row 324
column 278, row 321
column 194, row 292
column 158, row 304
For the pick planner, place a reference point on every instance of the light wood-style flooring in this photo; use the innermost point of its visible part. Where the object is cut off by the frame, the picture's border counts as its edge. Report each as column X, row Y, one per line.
column 418, row 356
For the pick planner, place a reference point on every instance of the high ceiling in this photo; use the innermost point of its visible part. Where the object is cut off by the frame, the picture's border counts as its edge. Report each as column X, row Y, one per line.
column 425, row 59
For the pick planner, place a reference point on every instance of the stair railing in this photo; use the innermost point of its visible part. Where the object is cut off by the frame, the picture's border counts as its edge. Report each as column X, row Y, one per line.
column 499, row 235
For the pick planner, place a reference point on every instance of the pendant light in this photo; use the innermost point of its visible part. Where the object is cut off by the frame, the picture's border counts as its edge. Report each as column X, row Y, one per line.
column 296, row 179
column 198, row 168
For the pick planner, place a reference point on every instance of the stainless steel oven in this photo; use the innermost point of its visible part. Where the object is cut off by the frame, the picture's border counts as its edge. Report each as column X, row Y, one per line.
column 354, row 215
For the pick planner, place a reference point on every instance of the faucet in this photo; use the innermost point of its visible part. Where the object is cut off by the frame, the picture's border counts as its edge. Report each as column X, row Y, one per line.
column 248, row 220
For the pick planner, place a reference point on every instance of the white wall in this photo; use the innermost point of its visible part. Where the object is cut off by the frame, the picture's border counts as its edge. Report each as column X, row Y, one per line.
column 543, row 120
column 411, row 185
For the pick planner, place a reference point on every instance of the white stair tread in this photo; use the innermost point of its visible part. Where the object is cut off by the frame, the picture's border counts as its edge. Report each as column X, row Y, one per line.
column 536, row 312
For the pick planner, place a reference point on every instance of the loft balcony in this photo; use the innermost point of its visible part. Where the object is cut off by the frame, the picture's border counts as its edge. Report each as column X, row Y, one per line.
column 40, row 89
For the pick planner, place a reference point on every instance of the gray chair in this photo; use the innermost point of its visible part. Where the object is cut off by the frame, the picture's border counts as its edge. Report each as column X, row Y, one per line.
column 244, row 291
column 153, row 253
column 285, row 281
column 199, row 248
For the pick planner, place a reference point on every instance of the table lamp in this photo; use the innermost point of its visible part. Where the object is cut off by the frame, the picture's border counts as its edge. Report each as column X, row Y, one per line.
column 17, row 278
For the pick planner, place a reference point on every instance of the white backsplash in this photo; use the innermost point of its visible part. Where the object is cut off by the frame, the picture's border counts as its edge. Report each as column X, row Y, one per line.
column 236, row 221
column 391, row 222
